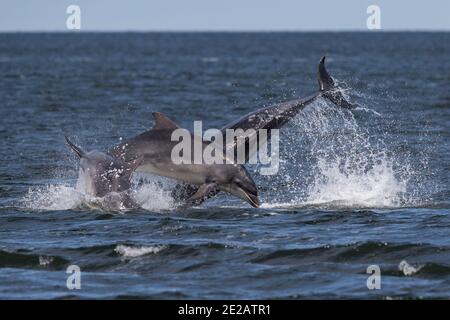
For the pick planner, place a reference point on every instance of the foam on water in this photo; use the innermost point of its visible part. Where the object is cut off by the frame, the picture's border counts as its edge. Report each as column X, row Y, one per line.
column 129, row 252
column 332, row 160
column 154, row 193
column 150, row 194
column 378, row 187
column 407, row 269
column 53, row 197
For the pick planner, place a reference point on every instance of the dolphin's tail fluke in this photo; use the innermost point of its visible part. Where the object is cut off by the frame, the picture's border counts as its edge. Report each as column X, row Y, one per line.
column 76, row 149
column 329, row 89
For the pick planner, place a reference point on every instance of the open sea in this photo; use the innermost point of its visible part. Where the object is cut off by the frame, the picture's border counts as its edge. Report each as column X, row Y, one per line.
column 368, row 187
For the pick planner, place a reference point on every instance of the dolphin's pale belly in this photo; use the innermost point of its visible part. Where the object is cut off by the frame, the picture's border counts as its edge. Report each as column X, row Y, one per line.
column 85, row 183
column 194, row 174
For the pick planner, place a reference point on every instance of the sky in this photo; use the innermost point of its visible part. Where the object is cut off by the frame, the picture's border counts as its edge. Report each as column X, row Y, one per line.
column 223, row 15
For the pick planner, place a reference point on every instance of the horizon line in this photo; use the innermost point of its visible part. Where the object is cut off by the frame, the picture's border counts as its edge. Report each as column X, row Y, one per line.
column 228, row 31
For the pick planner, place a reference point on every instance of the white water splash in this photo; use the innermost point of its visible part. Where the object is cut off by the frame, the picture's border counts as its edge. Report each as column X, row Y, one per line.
column 45, row 261
column 129, row 252
column 332, row 161
column 53, row 197
column 377, row 187
column 154, row 194
column 407, row 269
column 151, row 194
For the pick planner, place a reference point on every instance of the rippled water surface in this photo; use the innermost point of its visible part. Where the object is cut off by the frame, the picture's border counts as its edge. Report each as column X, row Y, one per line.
column 354, row 189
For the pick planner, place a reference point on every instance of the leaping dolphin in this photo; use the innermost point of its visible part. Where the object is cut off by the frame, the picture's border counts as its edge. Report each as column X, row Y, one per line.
column 103, row 174
column 272, row 117
column 277, row 115
column 155, row 148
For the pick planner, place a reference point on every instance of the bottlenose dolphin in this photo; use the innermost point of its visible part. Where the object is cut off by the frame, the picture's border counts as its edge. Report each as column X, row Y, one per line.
column 155, row 146
column 277, row 115
column 271, row 117
column 102, row 174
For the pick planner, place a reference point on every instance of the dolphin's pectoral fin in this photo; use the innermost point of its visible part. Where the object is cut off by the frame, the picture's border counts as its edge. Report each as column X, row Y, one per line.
column 133, row 165
column 203, row 191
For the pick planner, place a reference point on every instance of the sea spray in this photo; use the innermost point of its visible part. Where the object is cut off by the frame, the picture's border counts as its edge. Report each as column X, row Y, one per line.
column 52, row 197
column 331, row 157
column 150, row 192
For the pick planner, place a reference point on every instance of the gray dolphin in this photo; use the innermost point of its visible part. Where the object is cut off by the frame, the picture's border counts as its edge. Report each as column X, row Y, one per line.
column 277, row 115
column 103, row 174
column 155, row 146
column 272, row 117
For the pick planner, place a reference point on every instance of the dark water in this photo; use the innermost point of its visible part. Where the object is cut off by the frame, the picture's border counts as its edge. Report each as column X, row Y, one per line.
column 353, row 189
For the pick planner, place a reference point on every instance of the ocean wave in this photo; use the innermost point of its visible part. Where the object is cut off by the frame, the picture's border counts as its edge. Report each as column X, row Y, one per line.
column 363, row 252
column 408, row 269
column 129, row 252
column 27, row 259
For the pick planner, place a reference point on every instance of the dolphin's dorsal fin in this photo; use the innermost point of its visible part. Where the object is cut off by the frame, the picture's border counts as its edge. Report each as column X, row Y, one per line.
column 162, row 122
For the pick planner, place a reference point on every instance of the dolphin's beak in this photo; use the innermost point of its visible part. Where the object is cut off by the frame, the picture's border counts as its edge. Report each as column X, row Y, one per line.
column 253, row 200
column 246, row 192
